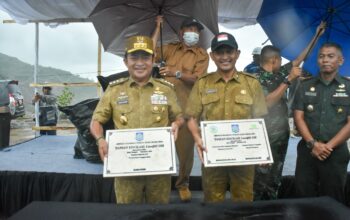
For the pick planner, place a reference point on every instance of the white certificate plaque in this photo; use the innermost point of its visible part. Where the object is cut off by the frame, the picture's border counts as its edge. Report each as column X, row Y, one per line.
column 235, row 142
column 140, row 152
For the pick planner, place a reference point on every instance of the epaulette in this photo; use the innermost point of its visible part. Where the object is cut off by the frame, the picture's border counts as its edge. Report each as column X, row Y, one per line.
column 164, row 82
column 118, row 81
column 307, row 79
column 248, row 74
column 202, row 51
column 205, row 75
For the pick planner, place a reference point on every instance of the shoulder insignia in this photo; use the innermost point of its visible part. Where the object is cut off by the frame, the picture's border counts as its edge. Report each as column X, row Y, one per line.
column 164, row 82
column 205, row 75
column 202, row 51
column 307, row 79
column 118, row 81
column 247, row 74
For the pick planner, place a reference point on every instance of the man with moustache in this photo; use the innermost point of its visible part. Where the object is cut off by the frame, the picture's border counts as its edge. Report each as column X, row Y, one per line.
column 322, row 116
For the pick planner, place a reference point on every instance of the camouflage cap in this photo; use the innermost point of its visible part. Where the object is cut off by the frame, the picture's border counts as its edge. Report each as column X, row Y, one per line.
column 136, row 43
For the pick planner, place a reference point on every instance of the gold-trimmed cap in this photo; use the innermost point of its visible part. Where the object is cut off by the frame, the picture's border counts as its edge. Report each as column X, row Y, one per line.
column 136, row 43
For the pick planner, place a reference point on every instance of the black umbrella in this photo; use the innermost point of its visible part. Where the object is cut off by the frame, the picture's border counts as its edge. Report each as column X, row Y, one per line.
column 116, row 20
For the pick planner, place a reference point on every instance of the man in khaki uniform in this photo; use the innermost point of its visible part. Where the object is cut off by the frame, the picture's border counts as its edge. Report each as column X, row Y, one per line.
column 185, row 61
column 225, row 95
column 138, row 101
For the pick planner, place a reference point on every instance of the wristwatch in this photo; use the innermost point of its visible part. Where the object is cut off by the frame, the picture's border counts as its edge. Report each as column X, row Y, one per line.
column 286, row 81
column 310, row 144
column 178, row 74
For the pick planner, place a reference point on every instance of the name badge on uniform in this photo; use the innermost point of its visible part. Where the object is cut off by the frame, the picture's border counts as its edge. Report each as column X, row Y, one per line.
column 340, row 94
column 211, row 91
column 159, row 99
column 123, row 100
column 310, row 93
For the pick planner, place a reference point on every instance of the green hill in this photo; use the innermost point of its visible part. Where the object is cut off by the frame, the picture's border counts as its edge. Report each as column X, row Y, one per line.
column 14, row 69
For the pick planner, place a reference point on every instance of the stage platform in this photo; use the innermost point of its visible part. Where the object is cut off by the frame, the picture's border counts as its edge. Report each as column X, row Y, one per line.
column 43, row 169
column 296, row 209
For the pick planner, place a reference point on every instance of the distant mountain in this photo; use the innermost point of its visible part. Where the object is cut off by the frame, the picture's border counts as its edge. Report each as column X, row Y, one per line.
column 14, row 69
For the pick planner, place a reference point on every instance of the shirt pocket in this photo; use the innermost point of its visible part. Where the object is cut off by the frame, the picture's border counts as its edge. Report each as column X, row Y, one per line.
column 341, row 105
column 243, row 106
column 211, row 108
column 159, row 115
column 311, row 104
column 122, row 115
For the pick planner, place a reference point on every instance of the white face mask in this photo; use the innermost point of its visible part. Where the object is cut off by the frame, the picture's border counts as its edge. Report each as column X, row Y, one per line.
column 191, row 38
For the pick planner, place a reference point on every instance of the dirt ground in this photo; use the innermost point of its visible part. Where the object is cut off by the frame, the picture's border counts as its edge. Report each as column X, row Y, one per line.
column 21, row 129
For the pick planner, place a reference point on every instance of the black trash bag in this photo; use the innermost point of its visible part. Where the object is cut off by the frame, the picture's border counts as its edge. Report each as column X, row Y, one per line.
column 105, row 80
column 80, row 115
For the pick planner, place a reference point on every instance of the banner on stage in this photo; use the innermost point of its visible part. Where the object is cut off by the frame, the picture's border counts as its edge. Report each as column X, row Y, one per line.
column 140, row 152
column 235, row 143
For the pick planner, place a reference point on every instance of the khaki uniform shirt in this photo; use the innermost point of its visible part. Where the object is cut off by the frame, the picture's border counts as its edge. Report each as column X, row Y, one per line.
column 194, row 60
column 214, row 99
column 132, row 106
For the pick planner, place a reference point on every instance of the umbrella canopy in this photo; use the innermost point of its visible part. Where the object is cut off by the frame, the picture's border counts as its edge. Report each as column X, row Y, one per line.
column 117, row 20
column 291, row 24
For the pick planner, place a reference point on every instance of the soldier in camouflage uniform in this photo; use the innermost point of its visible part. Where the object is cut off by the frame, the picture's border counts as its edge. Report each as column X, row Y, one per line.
column 275, row 80
column 139, row 101
column 225, row 95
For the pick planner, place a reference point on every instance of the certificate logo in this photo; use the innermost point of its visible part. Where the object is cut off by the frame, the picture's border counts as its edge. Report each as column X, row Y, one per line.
column 139, row 136
column 253, row 126
column 235, row 128
column 213, row 129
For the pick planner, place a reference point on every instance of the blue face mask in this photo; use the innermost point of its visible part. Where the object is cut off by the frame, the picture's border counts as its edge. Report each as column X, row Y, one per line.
column 191, row 38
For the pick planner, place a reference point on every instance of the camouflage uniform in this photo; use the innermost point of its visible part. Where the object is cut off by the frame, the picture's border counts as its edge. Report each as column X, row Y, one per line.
column 131, row 106
column 214, row 99
column 268, row 179
column 326, row 107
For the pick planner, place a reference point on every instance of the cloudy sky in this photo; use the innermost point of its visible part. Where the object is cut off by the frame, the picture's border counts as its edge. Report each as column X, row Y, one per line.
column 73, row 47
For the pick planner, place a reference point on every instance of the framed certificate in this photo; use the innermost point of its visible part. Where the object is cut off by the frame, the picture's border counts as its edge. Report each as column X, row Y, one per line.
column 235, row 142
column 140, row 152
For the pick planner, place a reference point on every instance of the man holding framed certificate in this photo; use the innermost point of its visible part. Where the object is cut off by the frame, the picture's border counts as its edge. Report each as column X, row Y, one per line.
column 225, row 95
column 138, row 101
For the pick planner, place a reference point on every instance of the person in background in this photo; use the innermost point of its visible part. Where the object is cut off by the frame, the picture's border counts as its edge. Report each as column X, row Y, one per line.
column 5, row 115
column 275, row 79
column 322, row 116
column 121, row 102
column 226, row 94
column 254, row 66
column 48, row 114
column 185, row 61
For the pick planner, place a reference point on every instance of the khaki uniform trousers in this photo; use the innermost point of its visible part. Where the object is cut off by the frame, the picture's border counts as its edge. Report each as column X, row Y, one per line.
column 143, row 189
column 184, row 149
column 215, row 181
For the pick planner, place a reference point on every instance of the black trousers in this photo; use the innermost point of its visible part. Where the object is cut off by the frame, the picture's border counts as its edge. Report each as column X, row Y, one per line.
column 322, row 178
column 5, row 126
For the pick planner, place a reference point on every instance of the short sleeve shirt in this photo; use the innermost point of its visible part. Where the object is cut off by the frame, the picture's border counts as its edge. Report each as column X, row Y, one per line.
column 326, row 105
column 214, row 99
column 133, row 106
